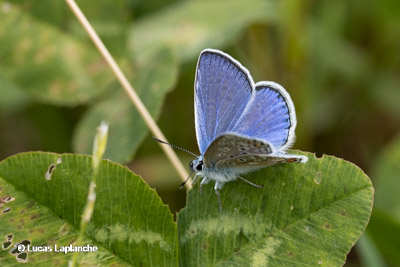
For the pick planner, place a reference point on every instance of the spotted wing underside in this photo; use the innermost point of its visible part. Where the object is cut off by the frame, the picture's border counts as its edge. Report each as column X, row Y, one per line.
column 249, row 162
column 232, row 150
column 230, row 145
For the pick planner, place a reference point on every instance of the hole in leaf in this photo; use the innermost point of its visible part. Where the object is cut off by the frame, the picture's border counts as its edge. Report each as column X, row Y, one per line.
column 50, row 171
column 9, row 237
column 14, row 251
column 7, row 199
column 6, row 245
column 25, row 242
column 6, row 210
column 23, row 257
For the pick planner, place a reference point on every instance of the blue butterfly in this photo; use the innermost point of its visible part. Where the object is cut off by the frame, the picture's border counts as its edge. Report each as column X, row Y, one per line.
column 240, row 126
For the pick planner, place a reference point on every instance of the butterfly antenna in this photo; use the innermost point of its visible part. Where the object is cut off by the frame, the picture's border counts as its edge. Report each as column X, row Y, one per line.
column 187, row 179
column 177, row 147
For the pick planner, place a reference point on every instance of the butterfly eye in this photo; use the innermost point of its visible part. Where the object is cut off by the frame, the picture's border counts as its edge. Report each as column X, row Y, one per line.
column 199, row 166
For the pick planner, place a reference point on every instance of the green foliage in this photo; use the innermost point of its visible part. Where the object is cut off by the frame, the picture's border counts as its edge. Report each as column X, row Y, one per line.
column 384, row 230
column 185, row 23
column 309, row 214
column 12, row 97
column 339, row 61
column 386, row 170
column 130, row 224
column 48, row 65
column 127, row 128
column 306, row 214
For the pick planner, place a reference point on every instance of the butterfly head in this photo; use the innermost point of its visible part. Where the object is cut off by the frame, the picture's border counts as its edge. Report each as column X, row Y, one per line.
column 196, row 165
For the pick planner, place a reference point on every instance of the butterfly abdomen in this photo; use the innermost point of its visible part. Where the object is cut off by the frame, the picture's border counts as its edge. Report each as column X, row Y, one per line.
column 219, row 175
column 226, row 174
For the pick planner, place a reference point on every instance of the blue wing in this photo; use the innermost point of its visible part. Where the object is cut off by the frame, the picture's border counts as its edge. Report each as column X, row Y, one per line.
column 223, row 88
column 270, row 116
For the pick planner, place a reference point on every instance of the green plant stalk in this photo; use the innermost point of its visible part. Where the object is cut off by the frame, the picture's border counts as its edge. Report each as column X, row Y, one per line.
column 137, row 102
column 86, row 215
column 99, row 147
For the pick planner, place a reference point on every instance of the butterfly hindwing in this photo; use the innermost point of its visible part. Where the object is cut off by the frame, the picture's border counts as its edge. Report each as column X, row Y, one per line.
column 223, row 88
column 231, row 146
column 269, row 115
column 256, row 161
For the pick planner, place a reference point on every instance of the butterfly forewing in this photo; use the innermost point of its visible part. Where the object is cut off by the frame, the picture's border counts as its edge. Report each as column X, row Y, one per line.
column 231, row 146
column 223, row 88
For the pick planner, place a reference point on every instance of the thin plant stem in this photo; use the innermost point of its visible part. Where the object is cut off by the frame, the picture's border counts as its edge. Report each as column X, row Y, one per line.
column 129, row 90
column 99, row 147
column 86, row 216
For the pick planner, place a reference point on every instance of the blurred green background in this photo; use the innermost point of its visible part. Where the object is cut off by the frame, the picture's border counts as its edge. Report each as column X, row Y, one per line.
column 339, row 60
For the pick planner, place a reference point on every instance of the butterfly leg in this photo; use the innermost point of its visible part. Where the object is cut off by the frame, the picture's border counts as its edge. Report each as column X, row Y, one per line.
column 218, row 196
column 195, row 178
column 204, row 181
column 250, row 183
